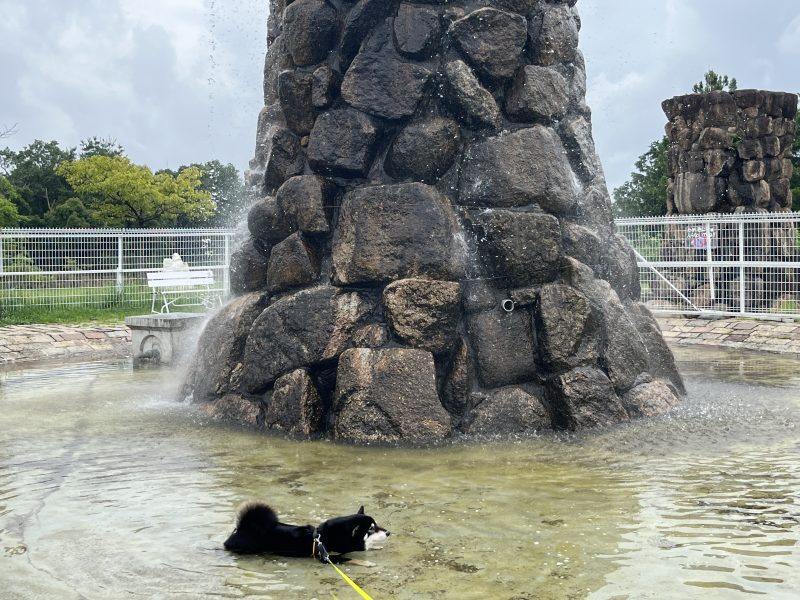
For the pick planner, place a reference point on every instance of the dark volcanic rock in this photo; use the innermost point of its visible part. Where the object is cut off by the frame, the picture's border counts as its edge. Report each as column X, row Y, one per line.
column 305, row 329
column 295, row 406
column 492, row 40
column 311, row 28
column 456, row 385
column 619, row 267
column 522, row 168
column 521, row 248
column 417, row 30
column 360, row 21
column 292, row 263
column 217, row 361
column 381, row 84
column 424, row 150
column 662, row 362
column 650, row 399
column 538, row 93
column 568, row 332
column 508, row 411
column 342, row 143
column 284, row 159
column 423, row 313
column 294, row 91
column 553, row 36
column 267, row 221
column 234, row 408
column 475, row 104
column 248, row 268
column 387, row 396
column 624, row 355
column 391, row 232
column 325, row 86
column 582, row 398
column 305, row 200
column 504, row 347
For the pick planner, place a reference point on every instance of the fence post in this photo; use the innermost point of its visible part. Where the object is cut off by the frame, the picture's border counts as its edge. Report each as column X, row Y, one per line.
column 741, row 267
column 2, row 243
column 226, row 268
column 120, row 281
column 710, row 260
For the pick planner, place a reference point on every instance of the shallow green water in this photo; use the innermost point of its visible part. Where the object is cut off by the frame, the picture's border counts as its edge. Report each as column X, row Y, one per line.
column 110, row 490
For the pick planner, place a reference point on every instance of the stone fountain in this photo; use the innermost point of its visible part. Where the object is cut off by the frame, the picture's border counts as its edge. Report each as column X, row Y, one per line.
column 433, row 249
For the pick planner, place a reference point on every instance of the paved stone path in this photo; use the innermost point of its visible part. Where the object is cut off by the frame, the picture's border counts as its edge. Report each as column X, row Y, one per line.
column 764, row 336
column 26, row 343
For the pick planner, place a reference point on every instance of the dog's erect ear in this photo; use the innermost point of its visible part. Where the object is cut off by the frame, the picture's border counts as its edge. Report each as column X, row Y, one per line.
column 361, row 511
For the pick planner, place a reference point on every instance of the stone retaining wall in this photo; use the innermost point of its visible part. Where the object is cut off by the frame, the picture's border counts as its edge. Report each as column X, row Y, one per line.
column 28, row 343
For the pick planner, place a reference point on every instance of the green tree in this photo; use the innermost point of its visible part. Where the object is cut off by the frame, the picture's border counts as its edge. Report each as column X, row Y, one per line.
column 713, row 82
column 227, row 190
column 645, row 193
column 121, row 194
column 95, row 146
column 72, row 214
column 32, row 172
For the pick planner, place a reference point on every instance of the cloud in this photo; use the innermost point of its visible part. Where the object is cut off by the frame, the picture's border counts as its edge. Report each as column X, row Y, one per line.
column 789, row 40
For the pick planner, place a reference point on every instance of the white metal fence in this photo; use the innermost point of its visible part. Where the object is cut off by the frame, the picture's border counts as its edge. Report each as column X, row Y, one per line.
column 744, row 264
column 99, row 267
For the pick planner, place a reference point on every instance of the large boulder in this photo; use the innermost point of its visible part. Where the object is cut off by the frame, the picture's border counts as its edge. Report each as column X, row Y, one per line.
column 342, row 143
column 292, row 263
column 584, row 398
column 524, row 168
column 424, row 150
column 507, row 411
column 284, row 157
column 268, row 223
column 305, row 201
column 521, row 248
column 217, row 360
column 295, row 406
column 624, row 354
column 474, row 104
column 380, row 83
column 294, row 91
column 504, row 347
column 650, row 399
column 304, row 329
column 553, row 35
column 248, row 267
column 424, row 313
column 492, row 41
column 391, row 232
column 311, row 28
column 569, row 335
column 388, row 396
column 417, row 30
column 538, row 93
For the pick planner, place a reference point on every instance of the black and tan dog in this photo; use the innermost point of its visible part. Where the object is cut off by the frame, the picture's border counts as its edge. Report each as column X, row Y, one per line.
column 259, row 530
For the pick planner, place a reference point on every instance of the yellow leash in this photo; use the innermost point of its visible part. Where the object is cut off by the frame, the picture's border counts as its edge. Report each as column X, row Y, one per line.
column 353, row 584
column 318, row 548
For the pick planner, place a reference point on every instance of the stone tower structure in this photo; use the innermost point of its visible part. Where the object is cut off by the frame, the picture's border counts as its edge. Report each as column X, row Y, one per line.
column 730, row 151
column 433, row 249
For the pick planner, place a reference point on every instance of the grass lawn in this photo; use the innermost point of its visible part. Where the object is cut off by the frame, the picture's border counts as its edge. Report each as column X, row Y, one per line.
column 77, row 315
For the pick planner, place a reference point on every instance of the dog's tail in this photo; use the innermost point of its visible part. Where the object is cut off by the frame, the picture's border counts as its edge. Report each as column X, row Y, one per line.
column 254, row 521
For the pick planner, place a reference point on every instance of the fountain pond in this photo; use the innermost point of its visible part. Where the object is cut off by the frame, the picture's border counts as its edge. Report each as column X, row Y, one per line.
column 109, row 489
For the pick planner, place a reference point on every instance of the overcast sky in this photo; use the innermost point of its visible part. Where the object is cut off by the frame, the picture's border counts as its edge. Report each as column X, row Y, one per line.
column 179, row 81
